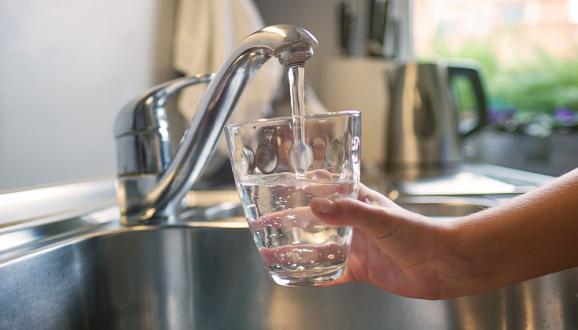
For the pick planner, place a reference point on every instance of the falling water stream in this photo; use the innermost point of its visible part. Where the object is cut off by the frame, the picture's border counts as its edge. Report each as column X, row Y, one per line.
column 301, row 153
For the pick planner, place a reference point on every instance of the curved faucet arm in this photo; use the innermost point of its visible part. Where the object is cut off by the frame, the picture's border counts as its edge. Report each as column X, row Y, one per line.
column 290, row 44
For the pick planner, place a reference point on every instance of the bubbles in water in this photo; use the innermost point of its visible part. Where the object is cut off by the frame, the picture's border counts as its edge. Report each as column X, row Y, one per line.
column 304, row 255
column 289, row 236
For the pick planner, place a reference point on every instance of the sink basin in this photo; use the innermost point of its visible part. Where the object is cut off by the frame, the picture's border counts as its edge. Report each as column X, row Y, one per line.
column 212, row 278
column 63, row 267
column 207, row 275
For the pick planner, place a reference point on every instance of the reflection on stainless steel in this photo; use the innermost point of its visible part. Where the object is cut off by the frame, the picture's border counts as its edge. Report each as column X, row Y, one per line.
column 444, row 207
column 31, row 234
column 461, row 183
column 522, row 180
column 228, row 211
column 211, row 278
column 21, row 206
column 152, row 179
column 485, row 180
column 431, row 206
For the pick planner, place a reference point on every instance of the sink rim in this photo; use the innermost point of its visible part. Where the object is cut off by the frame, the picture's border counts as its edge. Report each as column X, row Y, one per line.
column 447, row 200
column 50, row 232
column 30, row 249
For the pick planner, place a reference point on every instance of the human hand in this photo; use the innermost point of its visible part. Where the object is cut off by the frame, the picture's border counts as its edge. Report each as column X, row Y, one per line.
column 394, row 249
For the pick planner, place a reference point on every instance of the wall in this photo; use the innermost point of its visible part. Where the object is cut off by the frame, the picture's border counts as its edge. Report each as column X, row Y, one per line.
column 66, row 68
column 321, row 19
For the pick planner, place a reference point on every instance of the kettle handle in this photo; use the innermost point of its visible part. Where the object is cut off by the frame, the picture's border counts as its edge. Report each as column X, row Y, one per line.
column 473, row 75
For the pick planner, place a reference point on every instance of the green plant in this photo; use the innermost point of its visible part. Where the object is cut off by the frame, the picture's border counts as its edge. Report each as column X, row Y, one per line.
column 542, row 83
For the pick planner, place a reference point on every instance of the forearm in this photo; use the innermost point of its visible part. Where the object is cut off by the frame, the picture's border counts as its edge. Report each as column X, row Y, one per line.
column 532, row 235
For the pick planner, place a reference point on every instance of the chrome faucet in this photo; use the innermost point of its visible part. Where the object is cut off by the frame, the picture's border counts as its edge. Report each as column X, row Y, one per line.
column 153, row 179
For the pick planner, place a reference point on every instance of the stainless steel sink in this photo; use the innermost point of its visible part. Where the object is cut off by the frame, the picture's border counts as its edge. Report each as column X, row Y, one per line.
column 445, row 207
column 207, row 275
column 432, row 206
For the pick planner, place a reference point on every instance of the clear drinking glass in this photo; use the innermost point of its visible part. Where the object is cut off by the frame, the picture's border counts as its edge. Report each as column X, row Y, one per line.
column 276, row 183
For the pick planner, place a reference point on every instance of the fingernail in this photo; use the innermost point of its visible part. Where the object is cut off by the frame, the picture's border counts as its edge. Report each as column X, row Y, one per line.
column 325, row 206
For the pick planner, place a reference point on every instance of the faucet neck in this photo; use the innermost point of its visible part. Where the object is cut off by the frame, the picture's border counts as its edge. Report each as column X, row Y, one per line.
column 159, row 195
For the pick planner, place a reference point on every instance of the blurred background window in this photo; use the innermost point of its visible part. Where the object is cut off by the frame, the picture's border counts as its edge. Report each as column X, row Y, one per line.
column 527, row 50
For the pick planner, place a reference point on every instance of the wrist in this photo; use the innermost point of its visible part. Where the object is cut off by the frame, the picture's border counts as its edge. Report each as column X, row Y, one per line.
column 460, row 274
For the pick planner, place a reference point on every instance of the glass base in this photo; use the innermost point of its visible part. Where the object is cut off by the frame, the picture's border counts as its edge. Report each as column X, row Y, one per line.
column 291, row 281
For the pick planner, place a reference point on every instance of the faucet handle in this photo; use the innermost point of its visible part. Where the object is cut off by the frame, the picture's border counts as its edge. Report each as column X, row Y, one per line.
column 148, row 111
column 142, row 125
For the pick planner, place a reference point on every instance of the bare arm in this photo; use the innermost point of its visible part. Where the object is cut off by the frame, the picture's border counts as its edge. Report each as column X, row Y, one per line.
column 532, row 235
column 417, row 256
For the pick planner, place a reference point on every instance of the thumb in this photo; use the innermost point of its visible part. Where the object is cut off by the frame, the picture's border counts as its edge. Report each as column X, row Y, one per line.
column 375, row 221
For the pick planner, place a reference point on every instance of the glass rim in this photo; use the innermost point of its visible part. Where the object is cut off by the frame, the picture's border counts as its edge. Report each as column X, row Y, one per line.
column 317, row 116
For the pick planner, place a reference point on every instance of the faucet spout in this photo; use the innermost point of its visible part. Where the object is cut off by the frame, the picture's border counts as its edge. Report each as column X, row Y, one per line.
column 151, row 196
